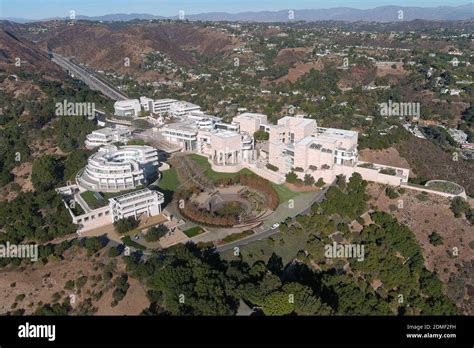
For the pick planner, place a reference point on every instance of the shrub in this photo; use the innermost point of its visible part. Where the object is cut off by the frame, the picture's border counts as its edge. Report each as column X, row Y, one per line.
column 81, row 281
column 69, row 285
column 292, row 178
column 391, row 193
column 435, row 239
column 20, row 297
column 459, row 206
column 121, row 287
column 320, row 182
column 308, row 180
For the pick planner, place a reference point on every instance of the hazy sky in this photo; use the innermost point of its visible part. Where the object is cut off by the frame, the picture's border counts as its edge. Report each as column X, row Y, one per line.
column 36, row 9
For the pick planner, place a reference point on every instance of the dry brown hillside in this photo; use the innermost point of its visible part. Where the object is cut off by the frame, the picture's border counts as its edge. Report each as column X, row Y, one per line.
column 290, row 56
column 430, row 161
column 31, row 58
column 105, row 46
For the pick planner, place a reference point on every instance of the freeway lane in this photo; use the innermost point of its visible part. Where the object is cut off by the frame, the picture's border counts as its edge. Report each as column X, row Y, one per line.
column 89, row 79
column 267, row 233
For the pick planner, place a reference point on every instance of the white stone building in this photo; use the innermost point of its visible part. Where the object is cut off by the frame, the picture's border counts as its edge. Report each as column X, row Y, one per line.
column 127, row 108
column 250, row 122
column 114, row 168
column 298, row 145
column 158, row 106
column 135, row 203
column 183, row 108
column 106, row 136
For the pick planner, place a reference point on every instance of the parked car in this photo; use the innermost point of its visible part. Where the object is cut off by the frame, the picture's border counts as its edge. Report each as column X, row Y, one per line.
column 275, row 225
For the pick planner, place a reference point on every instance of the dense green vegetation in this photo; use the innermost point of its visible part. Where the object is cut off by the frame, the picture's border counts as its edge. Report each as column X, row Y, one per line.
column 189, row 280
column 126, row 224
column 27, row 122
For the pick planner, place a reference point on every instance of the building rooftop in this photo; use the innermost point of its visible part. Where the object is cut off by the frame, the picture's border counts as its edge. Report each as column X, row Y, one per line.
column 225, row 134
column 126, row 103
column 128, row 197
column 186, row 105
column 109, row 131
column 182, row 126
column 297, row 121
column 306, row 140
column 166, row 100
column 252, row 115
column 336, row 133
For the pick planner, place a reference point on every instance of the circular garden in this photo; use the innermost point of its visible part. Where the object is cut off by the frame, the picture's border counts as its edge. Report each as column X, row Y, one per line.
column 242, row 199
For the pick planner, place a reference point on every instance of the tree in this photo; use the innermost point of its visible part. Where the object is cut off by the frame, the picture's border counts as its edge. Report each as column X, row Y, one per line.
column 435, row 239
column 46, row 173
column 278, row 303
column 126, row 224
column 155, row 233
column 308, row 180
column 261, row 135
column 320, row 182
column 292, row 178
column 341, row 182
column 275, row 264
column 305, row 302
column 93, row 244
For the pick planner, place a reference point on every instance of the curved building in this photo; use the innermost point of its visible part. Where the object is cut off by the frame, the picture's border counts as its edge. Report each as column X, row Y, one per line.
column 114, row 168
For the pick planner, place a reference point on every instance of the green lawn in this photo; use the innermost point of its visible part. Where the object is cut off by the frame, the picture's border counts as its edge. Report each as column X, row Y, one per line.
column 284, row 193
column 169, row 180
column 211, row 174
column 194, row 231
column 92, row 202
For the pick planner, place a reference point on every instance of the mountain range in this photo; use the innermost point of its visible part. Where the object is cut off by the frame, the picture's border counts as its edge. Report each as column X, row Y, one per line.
column 377, row 14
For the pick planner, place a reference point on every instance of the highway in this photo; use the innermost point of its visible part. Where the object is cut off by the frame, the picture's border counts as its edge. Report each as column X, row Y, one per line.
column 88, row 78
column 267, row 233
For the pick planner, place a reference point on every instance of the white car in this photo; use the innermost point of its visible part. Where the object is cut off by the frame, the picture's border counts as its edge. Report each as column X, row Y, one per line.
column 275, row 225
